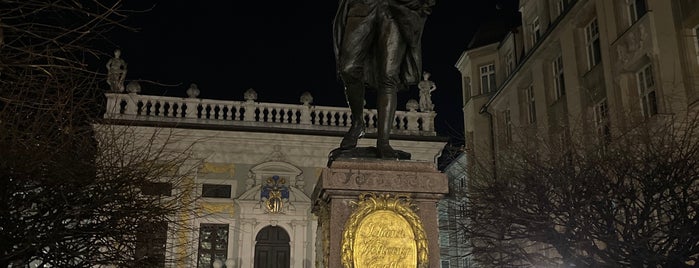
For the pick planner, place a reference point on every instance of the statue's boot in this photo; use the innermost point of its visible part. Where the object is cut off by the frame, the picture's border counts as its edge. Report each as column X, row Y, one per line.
column 356, row 132
column 355, row 99
column 386, row 116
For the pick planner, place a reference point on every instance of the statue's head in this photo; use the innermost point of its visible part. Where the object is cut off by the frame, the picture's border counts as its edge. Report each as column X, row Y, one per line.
column 426, row 75
column 117, row 52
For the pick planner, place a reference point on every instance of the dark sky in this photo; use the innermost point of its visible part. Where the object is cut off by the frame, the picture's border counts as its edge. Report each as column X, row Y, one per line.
column 281, row 49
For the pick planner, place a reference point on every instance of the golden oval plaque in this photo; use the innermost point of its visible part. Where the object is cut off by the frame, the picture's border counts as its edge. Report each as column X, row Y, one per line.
column 384, row 239
column 384, row 231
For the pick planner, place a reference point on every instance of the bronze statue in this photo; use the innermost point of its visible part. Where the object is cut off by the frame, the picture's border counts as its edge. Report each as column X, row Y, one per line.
column 378, row 46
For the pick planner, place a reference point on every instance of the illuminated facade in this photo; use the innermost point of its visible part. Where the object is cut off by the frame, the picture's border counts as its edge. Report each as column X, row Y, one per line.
column 253, row 166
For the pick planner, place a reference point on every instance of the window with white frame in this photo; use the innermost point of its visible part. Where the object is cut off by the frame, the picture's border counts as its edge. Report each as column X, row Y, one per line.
column 487, row 78
column 602, row 120
column 592, row 42
column 213, row 244
column 536, row 30
column 646, row 90
column 560, row 7
column 509, row 63
column 507, row 116
column 558, row 80
column 531, row 104
column 636, row 9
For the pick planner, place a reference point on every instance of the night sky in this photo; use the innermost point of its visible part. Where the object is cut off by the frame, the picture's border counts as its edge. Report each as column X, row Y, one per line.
column 281, row 49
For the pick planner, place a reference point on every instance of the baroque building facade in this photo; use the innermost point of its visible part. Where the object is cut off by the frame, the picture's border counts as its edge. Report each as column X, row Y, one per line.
column 252, row 167
column 566, row 67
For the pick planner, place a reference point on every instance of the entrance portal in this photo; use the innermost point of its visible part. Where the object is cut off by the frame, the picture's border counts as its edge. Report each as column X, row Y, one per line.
column 272, row 248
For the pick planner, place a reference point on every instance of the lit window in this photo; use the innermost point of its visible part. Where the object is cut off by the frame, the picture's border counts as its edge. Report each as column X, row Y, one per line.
column 646, row 90
column 531, row 104
column 487, row 78
column 592, row 42
column 536, row 31
column 216, row 190
column 213, row 244
column 558, row 80
column 602, row 120
column 636, row 8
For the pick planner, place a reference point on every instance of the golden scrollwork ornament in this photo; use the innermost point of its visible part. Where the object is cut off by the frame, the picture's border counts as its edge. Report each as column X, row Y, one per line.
column 384, row 231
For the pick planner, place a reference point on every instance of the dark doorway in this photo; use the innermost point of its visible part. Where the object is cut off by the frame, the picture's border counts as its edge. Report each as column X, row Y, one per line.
column 272, row 248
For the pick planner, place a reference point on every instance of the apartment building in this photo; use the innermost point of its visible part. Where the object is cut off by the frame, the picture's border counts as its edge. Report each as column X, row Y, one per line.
column 571, row 66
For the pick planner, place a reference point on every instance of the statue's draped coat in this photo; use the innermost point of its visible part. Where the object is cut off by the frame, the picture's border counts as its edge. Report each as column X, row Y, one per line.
column 411, row 24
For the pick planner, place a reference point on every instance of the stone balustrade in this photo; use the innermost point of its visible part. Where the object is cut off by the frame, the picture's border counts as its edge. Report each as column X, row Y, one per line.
column 251, row 113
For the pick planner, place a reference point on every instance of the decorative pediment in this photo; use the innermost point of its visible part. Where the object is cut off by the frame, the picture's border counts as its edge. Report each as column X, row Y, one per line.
column 275, row 186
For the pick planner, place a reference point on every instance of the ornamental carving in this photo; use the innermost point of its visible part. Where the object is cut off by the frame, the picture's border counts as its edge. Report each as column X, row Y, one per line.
column 274, row 194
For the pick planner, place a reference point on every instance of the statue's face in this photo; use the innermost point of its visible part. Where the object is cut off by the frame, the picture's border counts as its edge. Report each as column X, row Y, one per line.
column 117, row 53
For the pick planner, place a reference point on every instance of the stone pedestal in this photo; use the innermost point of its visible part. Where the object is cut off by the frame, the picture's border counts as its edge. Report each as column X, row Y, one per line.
column 336, row 194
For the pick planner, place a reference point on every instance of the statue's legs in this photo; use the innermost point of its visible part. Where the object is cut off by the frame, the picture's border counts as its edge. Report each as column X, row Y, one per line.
column 391, row 49
column 355, row 47
column 387, row 103
column 355, row 99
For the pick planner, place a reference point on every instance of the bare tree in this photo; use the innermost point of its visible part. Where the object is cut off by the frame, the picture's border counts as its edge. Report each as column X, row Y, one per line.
column 628, row 201
column 71, row 196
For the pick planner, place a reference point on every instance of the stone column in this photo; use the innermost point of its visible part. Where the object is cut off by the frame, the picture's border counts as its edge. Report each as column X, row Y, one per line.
column 340, row 186
column 247, row 243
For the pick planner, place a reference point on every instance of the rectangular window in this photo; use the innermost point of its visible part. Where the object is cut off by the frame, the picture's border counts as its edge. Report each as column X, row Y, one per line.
column 602, row 121
column 536, row 31
column 157, row 188
column 695, row 33
column 646, row 90
column 150, row 244
column 560, row 7
column 558, row 80
column 216, row 190
column 509, row 63
column 445, row 264
column 507, row 115
column 531, row 104
column 443, row 239
column 213, row 244
column 487, row 78
column 467, row 85
column 636, row 8
column 592, row 42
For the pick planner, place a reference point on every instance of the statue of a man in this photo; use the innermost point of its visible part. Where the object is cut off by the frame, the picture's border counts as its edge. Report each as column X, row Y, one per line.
column 426, row 87
column 116, row 72
column 378, row 46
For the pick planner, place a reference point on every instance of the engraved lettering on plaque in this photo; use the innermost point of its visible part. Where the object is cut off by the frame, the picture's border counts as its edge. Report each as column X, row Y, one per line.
column 384, row 239
column 384, row 231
